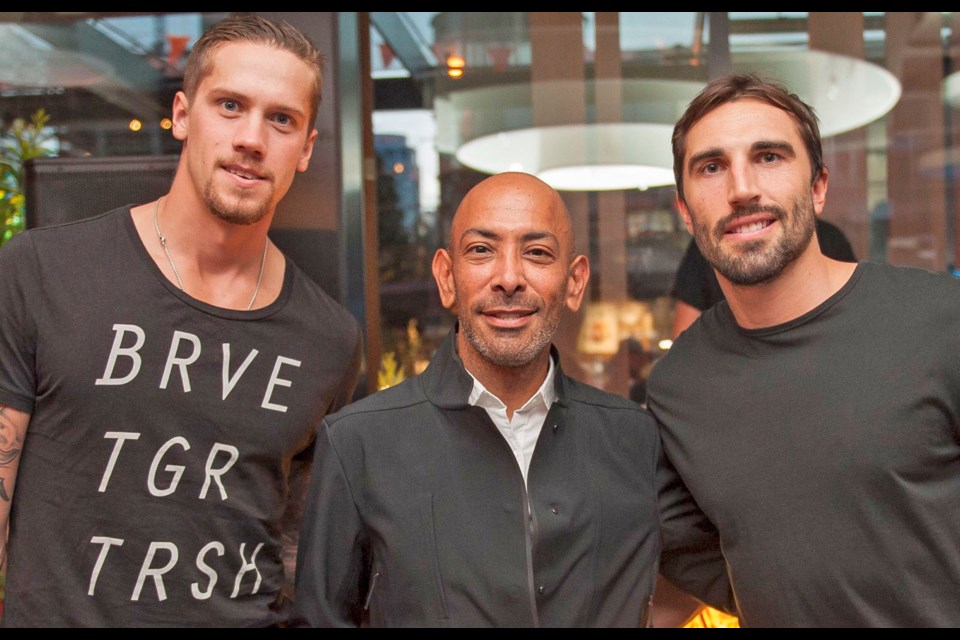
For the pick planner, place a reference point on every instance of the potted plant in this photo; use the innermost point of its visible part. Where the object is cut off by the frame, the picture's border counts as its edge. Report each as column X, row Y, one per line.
column 21, row 142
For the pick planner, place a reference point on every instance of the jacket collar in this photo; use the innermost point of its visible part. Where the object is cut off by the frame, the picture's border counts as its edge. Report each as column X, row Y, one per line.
column 447, row 384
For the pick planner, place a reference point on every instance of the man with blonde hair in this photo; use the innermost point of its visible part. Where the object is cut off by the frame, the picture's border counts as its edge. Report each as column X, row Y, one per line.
column 164, row 368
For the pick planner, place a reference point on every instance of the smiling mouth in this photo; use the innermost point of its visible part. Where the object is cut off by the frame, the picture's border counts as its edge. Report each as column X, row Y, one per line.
column 752, row 227
column 508, row 318
column 244, row 174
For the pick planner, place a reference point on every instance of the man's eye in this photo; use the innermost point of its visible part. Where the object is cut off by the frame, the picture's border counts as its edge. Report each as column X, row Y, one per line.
column 711, row 167
column 284, row 119
column 230, row 105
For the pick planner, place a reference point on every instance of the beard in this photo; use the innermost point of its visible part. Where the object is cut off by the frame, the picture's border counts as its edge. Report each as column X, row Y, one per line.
column 758, row 262
column 509, row 347
column 235, row 208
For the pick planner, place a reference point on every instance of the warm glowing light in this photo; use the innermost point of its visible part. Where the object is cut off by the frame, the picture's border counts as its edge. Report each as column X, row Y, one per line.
column 166, row 124
column 455, row 65
column 135, row 125
column 710, row 618
column 665, row 344
column 398, row 167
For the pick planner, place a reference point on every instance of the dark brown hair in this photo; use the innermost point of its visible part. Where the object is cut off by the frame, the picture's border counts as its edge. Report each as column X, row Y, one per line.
column 251, row 28
column 738, row 86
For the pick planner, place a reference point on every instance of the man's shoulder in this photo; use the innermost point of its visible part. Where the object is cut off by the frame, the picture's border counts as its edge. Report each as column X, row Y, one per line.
column 906, row 277
column 380, row 406
column 327, row 310
column 914, row 290
column 689, row 351
column 87, row 225
column 60, row 241
column 600, row 400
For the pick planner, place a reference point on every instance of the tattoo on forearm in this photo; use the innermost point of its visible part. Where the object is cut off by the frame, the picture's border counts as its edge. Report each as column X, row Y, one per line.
column 9, row 436
column 9, row 447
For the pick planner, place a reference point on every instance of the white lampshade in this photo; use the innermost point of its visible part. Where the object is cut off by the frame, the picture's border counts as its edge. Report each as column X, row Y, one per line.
column 846, row 93
column 490, row 129
column 578, row 157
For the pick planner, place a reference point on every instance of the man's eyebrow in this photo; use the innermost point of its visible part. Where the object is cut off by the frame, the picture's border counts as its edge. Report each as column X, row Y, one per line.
column 696, row 159
column 480, row 231
column 774, row 145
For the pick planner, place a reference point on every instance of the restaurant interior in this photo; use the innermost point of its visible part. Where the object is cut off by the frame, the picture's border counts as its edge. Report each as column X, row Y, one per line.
column 420, row 106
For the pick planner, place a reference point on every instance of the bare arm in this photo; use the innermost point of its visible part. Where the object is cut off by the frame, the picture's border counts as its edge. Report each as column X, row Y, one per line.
column 684, row 315
column 13, row 429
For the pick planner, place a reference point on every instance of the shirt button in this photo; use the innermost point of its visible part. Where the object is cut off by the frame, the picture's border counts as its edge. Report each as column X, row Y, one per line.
column 540, row 589
column 555, row 427
column 555, row 509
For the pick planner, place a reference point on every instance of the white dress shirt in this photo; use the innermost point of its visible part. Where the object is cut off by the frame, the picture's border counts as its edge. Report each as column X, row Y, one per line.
column 523, row 430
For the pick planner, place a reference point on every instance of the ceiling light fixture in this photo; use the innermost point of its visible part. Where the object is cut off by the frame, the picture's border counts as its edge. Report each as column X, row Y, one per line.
column 490, row 129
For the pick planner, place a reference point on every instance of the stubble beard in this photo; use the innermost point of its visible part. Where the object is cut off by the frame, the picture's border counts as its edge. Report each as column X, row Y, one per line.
column 235, row 208
column 756, row 262
column 502, row 348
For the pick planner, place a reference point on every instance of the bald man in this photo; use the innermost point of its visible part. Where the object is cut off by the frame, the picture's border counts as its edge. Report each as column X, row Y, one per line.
column 493, row 490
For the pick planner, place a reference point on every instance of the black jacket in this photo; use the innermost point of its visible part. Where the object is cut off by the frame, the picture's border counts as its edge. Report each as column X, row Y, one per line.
column 417, row 513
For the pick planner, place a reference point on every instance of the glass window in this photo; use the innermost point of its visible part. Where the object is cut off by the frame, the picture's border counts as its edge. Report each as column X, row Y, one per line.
column 594, row 95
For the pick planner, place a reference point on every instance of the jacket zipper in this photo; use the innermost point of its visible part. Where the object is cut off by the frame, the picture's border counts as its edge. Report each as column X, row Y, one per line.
column 373, row 583
column 530, row 536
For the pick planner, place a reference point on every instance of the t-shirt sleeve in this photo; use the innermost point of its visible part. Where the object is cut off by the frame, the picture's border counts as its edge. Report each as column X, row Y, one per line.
column 19, row 292
column 691, row 558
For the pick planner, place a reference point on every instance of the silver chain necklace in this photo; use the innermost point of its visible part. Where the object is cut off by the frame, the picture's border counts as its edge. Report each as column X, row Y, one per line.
column 166, row 250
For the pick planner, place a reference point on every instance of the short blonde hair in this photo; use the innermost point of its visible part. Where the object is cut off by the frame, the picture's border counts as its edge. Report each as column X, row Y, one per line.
column 251, row 28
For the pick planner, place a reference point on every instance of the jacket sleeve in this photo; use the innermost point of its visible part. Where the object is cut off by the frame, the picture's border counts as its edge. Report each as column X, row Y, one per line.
column 331, row 561
column 691, row 558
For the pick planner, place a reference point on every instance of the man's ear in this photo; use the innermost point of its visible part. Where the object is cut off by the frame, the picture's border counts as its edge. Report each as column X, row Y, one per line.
column 819, row 191
column 577, row 282
column 307, row 152
column 443, row 274
column 684, row 213
column 181, row 115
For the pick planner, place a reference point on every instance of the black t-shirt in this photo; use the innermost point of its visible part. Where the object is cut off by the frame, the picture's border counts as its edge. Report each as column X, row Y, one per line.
column 155, row 469
column 826, row 450
column 696, row 282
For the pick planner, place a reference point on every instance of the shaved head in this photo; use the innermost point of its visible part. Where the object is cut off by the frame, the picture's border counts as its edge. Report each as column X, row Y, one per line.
column 514, row 190
column 509, row 270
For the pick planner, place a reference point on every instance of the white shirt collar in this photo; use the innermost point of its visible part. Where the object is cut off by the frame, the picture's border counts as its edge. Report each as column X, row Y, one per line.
column 522, row 431
column 481, row 396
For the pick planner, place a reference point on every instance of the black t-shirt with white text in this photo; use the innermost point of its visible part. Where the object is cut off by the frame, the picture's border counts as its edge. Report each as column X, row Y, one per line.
column 154, row 474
